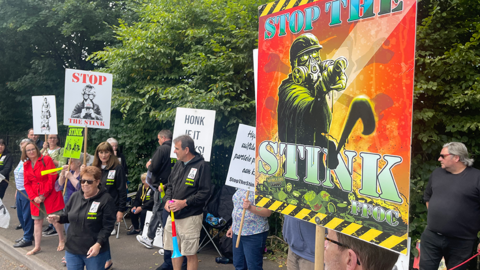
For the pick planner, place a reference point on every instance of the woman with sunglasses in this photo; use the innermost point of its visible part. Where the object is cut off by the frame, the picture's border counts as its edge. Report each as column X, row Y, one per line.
column 5, row 167
column 72, row 178
column 40, row 190
column 113, row 179
column 91, row 214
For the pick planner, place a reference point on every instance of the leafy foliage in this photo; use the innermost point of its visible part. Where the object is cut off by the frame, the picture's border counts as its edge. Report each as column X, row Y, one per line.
column 39, row 40
column 447, row 92
column 183, row 54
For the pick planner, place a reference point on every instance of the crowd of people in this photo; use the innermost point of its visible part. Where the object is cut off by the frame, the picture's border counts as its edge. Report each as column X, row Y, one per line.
column 86, row 202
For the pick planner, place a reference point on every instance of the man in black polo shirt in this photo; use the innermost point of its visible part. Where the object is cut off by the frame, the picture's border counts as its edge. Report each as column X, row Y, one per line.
column 453, row 201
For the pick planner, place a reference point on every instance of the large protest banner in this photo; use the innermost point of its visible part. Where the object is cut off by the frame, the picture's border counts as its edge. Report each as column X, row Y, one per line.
column 44, row 112
column 241, row 172
column 334, row 115
column 199, row 125
column 88, row 98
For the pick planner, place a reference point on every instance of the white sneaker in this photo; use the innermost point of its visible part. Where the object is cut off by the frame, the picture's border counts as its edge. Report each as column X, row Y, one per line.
column 114, row 232
column 145, row 241
column 161, row 251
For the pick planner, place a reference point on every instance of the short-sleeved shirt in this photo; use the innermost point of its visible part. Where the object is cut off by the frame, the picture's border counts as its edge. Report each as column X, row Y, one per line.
column 252, row 224
column 454, row 203
column 18, row 172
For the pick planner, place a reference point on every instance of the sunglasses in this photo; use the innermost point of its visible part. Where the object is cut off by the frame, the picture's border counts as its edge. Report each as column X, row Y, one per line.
column 89, row 182
column 341, row 245
column 446, row 155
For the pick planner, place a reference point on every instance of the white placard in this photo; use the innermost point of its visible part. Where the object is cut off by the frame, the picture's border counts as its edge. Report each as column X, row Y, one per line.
column 241, row 173
column 158, row 240
column 44, row 111
column 88, row 98
column 255, row 72
column 198, row 124
column 402, row 262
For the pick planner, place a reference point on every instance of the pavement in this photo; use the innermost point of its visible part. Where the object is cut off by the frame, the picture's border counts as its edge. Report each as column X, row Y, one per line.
column 127, row 253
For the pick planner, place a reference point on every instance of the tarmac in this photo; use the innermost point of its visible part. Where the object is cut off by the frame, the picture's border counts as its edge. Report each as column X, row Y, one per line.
column 127, row 253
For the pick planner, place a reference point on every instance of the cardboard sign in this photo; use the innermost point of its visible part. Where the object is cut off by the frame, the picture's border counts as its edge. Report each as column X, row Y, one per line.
column 44, row 113
column 158, row 240
column 198, row 124
column 73, row 143
column 88, row 99
column 334, row 115
column 241, row 173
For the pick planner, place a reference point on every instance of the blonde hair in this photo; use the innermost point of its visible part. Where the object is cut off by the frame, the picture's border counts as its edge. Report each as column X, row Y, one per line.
column 24, row 151
column 143, row 177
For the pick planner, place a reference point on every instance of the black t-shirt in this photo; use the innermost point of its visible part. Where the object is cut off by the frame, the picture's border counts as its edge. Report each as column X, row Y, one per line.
column 454, row 203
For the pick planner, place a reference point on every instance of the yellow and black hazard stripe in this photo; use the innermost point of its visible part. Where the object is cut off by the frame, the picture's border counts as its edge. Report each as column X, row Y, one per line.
column 383, row 239
column 280, row 5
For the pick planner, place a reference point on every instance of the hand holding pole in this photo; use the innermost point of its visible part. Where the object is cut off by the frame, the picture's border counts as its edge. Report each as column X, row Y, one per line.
column 241, row 223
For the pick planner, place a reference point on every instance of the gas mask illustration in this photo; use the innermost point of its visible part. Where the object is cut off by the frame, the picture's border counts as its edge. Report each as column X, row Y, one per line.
column 309, row 72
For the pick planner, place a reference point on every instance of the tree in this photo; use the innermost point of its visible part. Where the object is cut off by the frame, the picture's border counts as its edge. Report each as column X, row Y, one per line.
column 183, row 54
column 447, row 91
column 39, row 40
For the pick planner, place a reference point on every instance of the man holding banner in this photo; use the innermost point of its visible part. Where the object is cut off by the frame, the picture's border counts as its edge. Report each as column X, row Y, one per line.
column 347, row 253
column 189, row 187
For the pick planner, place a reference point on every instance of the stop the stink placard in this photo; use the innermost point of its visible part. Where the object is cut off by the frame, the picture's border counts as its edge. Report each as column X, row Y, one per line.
column 88, row 98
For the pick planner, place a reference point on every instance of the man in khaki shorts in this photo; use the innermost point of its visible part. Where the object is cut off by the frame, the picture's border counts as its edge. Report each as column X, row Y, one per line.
column 188, row 189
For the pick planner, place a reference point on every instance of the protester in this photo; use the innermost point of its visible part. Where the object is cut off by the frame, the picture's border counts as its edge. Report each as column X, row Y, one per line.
column 453, row 202
column 343, row 252
column 113, row 179
column 35, row 138
column 188, row 189
column 40, row 189
column 5, row 167
column 118, row 154
column 73, row 184
column 160, row 167
column 249, row 254
column 52, row 149
column 300, row 237
column 143, row 202
column 91, row 213
column 23, row 204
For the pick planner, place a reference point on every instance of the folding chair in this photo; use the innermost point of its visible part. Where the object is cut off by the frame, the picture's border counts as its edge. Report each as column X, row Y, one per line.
column 220, row 205
column 212, row 238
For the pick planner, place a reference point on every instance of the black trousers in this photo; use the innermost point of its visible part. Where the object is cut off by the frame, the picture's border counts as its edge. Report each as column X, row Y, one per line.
column 135, row 217
column 3, row 188
column 434, row 246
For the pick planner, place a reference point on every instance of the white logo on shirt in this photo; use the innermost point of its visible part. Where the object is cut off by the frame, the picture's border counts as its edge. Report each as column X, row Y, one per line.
column 192, row 173
column 94, row 207
column 111, row 174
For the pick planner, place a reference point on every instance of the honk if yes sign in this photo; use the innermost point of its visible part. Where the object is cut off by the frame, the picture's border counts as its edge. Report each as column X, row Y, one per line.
column 198, row 124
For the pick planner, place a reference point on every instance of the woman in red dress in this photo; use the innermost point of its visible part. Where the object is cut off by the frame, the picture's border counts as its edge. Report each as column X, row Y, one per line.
column 41, row 191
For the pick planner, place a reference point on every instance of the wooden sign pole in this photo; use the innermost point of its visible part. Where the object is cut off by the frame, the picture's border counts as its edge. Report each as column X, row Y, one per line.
column 66, row 178
column 34, row 204
column 85, row 147
column 241, row 222
column 46, row 152
column 319, row 247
